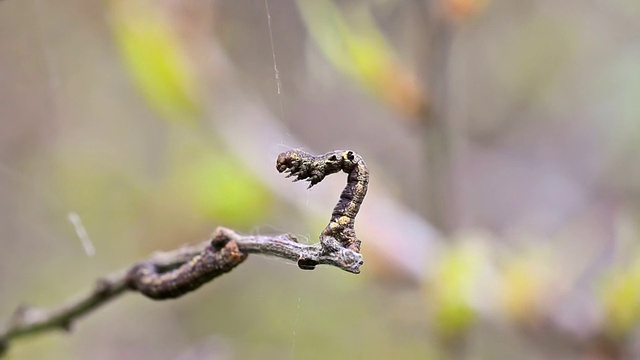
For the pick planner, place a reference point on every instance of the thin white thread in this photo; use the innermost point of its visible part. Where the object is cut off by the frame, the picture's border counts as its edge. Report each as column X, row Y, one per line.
column 295, row 326
column 279, row 95
column 89, row 249
column 275, row 61
column 273, row 50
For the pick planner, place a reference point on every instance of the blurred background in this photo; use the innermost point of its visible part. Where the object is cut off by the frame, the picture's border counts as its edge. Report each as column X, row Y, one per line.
column 503, row 216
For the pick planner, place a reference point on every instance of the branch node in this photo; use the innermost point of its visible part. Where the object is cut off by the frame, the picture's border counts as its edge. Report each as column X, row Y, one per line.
column 307, row 264
column 103, row 287
column 66, row 325
column 221, row 236
column 19, row 314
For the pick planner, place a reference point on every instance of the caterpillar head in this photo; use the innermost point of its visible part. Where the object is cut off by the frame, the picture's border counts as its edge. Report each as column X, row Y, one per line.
column 304, row 166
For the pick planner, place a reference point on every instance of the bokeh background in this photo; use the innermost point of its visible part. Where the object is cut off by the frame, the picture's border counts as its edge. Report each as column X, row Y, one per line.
column 503, row 217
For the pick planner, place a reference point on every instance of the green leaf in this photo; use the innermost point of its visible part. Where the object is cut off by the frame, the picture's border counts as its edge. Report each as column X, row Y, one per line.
column 358, row 49
column 620, row 297
column 222, row 189
column 153, row 54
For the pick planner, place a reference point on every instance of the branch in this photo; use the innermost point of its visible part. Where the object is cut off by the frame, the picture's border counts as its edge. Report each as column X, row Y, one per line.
column 172, row 274
column 27, row 320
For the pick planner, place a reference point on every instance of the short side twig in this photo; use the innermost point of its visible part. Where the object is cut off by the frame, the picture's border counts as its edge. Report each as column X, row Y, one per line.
column 286, row 246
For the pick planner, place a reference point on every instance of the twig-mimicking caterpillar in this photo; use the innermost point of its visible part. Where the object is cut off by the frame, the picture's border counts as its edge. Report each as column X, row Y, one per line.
column 305, row 166
column 223, row 254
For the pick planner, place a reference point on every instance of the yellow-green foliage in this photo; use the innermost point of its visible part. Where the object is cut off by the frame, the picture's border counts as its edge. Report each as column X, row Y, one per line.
column 215, row 184
column 221, row 189
column 357, row 48
column 154, row 56
column 455, row 287
column 524, row 290
column 620, row 296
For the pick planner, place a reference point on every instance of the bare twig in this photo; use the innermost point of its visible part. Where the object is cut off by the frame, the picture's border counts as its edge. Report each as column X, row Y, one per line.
column 28, row 320
column 286, row 247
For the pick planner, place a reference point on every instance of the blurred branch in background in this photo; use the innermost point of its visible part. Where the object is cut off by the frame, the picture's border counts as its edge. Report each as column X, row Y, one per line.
column 353, row 43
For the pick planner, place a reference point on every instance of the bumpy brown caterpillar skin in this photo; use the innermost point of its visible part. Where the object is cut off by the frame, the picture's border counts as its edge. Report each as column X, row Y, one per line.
column 220, row 257
column 305, row 166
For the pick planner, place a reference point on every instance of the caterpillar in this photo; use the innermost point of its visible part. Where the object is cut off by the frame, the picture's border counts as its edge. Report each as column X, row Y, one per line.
column 304, row 166
column 223, row 254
